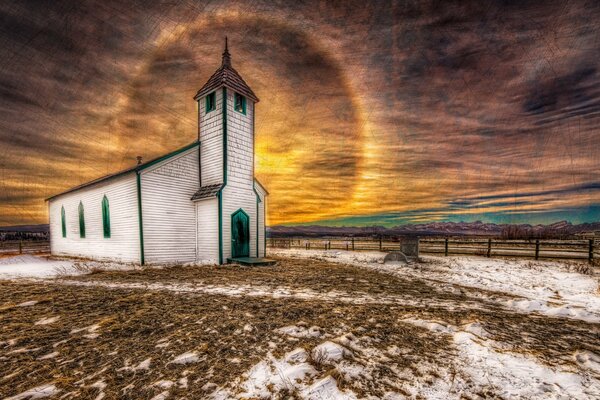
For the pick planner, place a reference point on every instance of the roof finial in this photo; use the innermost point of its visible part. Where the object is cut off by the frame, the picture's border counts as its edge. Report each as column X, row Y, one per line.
column 226, row 56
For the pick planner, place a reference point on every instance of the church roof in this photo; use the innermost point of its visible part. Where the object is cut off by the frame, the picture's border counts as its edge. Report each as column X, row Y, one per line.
column 207, row 191
column 226, row 76
column 137, row 168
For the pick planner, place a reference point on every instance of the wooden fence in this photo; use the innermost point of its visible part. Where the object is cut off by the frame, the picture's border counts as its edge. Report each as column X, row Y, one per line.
column 588, row 249
column 24, row 246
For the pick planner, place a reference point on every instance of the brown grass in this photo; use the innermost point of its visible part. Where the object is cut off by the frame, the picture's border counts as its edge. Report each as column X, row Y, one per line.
column 133, row 322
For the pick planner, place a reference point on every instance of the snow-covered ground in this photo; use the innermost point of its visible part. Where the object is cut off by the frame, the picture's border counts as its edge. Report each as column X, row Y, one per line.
column 30, row 266
column 343, row 360
column 550, row 288
column 479, row 363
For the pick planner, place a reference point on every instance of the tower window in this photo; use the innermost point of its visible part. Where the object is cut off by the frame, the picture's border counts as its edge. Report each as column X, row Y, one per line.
column 239, row 102
column 211, row 102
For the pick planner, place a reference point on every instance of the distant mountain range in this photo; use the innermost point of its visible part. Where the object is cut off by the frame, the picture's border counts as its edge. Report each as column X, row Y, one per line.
column 479, row 228
column 41, row 228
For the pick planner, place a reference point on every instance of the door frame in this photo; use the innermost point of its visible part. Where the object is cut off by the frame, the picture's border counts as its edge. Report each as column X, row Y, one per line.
column 240, row 211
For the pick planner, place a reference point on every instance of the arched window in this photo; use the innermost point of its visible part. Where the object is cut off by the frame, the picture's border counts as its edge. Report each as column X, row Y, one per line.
column 81, row 221
column 63, row 221
column 105, row 217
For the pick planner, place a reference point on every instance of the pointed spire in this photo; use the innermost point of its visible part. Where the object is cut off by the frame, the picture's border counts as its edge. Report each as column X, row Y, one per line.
column 226, row 56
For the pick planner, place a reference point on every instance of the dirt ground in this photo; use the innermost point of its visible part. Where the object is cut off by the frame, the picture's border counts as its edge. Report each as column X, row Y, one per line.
column 87, row 338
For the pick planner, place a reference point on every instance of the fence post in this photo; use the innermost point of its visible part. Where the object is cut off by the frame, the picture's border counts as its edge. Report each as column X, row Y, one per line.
column 380, row 243
column 346, row 245
column 446, row 247
column 353, row 244
column 537, row 248
column 20, row 247
column 489, row 252
column 591, row 250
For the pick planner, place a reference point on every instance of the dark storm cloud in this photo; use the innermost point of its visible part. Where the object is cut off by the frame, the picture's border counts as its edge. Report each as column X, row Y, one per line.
column 574, row 93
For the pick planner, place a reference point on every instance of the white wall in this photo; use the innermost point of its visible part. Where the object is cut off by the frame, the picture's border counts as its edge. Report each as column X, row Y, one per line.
column 168, row 214
column 239, row 192
column 211, row 140
column 123, row 245
column 207, row 214
column 261, row 220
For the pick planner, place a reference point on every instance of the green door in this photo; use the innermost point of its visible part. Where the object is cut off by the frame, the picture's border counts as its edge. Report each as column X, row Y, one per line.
column 240, row 234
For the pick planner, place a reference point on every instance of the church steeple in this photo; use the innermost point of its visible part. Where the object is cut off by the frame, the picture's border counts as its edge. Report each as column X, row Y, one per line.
column 226, row 56
column 226, row 76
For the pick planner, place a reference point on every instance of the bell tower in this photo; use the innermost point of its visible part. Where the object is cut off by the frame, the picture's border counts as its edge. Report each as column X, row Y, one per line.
column 226, row 135
column 226, row 126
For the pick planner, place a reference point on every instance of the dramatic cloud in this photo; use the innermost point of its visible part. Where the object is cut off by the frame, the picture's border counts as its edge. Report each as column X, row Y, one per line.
column 370, row 113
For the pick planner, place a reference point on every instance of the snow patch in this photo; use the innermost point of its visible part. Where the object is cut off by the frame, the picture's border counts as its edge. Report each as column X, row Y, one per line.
column 588, row 360
column 161, row 396
column 274, row 375
column 48, row 320
column 300, row 331
column 186, row 358
column 49, row 356
column 326, row 389
column 511, row 375
column 330, row 352
column 39, row 392
column 27, row 303
column 30, row 266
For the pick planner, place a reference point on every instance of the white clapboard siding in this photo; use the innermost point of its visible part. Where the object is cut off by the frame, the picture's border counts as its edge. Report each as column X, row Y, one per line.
column 261, row 220
column 124, row 243
column 211, row 140
column 239, row 192
column 168, row 214
column 207, row 215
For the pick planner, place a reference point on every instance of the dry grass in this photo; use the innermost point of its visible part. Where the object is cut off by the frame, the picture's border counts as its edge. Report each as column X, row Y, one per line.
column 131, row 323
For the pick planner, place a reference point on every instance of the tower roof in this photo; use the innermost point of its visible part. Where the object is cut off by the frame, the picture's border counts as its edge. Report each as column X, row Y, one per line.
column 226, row 76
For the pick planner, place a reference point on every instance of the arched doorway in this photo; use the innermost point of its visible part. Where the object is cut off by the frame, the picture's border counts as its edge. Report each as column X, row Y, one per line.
column 240, row 234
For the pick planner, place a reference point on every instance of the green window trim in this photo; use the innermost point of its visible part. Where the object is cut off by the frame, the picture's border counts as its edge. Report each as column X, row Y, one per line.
column 140, row 222
column 239, row 103
column 63, row 222
column 105, row 217
column 81, row 221
column 220, row 193
column 211, row 102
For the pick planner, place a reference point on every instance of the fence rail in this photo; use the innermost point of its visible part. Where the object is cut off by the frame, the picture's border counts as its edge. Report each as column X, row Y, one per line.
column 588, row 249
column 24, row 246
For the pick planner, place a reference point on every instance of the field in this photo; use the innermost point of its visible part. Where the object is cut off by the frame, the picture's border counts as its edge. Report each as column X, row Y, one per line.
column 318, row 325
column 566, row 249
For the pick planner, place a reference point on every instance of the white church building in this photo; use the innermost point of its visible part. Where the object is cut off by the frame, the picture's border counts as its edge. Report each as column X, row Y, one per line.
column 200, row 203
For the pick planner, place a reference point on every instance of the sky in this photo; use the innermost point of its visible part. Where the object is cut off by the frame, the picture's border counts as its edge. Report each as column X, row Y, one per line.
column 371, row 113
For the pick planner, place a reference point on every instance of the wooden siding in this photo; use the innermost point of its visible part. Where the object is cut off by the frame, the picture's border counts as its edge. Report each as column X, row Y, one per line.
column 211, row 141
column 207, row 215
column 262, row 207
column 168, row 214
column 239, row 192
column 123, row 245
